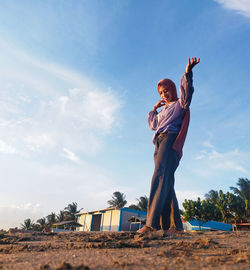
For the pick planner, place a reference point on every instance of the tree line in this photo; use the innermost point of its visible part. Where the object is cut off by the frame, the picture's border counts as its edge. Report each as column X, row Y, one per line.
column 119, row 200
column 46, row 223
column 68, row 213
column 219, row 206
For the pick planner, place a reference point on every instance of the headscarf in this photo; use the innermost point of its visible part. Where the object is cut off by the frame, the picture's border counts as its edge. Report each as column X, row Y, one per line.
column 180, row 139
column 170, row 85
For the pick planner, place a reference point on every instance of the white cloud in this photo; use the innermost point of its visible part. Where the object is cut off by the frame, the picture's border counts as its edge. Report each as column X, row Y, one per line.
column 70, row 155
column 5, row 148
column 13, row 215
column 36, row 142
column 207, row 144
column 25, row 99
column 88, row 184
column 241, row 6
column 188, row 194
column 212, row 160
column 45, row 107
column 50, row 117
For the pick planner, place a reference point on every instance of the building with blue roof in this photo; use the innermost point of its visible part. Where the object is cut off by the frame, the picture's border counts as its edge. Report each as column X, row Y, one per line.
column 193, row 225
column 108, row 219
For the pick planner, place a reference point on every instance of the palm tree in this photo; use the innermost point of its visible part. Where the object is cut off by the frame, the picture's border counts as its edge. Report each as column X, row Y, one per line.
column 223, row 205
column 243, row 191
column 61, row 216
column 118, row 200
column 51, row 218
column 42, row 223
column 27, row 224
column 141, row 205
column 70, row 211
column 212, row 196
column 134, row 206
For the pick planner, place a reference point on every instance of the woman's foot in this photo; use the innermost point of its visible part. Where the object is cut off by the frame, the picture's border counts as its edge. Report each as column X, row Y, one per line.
column 145, row 229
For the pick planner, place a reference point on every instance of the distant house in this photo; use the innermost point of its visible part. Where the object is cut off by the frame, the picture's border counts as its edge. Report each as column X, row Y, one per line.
column 209, row 225
column 108, row 219
column 70, row 225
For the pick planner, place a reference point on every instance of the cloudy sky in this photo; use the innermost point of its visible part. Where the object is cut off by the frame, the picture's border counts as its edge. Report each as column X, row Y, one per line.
column 77, row 79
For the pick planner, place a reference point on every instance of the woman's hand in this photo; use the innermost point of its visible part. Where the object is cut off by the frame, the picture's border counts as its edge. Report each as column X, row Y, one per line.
column 192, row 63
column 159, row 104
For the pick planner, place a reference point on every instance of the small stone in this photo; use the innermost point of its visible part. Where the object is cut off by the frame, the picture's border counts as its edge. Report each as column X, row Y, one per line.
column 64, row 266
column 45, row 267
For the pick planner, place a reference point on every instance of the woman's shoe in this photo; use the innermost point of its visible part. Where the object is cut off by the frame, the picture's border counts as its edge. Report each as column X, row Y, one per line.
column 145, row 229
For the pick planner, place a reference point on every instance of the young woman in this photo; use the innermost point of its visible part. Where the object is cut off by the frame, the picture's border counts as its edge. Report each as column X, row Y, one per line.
column 170, row 126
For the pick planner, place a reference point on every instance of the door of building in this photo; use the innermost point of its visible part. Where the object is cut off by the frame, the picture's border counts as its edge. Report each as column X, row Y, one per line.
column 96, row 222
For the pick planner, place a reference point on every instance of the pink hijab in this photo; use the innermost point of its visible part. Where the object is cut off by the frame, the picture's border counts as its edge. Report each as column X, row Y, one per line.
column 180, row 139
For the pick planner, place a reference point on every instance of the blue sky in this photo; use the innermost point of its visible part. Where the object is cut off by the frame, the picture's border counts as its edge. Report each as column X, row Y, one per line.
column 77, row 79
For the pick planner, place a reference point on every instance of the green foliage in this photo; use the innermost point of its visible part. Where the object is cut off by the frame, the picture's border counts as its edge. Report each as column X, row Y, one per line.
column 27, row 224
column 70, row 211
column 46, row 223
column 222, row 205
column 36, row 227
column 118, row 200
column 202, row 211
column 135, row 207
column 244, row 193
column 236, row 206
column 181, row 212
column 141, row 205
column 219, row 206
column 41, row 222
column 61, row 216
column 212, row 196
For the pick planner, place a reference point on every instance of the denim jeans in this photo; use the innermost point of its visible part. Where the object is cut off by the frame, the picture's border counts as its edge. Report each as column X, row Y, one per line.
column 163, row 210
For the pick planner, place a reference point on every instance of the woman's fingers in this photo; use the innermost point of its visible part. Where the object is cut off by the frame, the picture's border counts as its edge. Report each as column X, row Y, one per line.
column 159, row 104
column 195, row 61
column 192, row 63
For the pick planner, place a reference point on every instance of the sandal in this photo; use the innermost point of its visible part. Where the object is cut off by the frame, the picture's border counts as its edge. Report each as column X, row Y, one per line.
column 145, row 229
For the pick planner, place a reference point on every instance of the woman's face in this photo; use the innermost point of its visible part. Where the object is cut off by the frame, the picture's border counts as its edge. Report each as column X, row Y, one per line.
column 165, row 94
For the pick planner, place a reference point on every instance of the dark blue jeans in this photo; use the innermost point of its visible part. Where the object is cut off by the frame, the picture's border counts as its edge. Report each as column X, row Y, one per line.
column 163, row 209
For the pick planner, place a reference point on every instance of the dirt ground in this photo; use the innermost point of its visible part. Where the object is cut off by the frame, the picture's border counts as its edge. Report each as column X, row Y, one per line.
column 125, row 250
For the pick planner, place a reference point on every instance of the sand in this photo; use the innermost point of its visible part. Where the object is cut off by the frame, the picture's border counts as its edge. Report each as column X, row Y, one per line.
column 125, row 250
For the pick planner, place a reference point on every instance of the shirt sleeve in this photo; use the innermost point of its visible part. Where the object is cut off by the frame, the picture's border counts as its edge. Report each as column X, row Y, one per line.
column 153, row 119
column 186, row 90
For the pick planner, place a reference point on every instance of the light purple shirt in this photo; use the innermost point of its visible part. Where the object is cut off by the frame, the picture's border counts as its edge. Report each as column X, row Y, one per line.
column 170, row 117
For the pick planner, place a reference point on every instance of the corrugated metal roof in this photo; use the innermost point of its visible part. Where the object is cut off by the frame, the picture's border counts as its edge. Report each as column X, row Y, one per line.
column 106, row 209
column 67, row 222
column 96, row 211
column 215, row 225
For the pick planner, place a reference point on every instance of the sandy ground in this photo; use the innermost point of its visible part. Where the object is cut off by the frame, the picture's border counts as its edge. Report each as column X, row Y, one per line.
column 124, row 250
